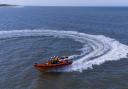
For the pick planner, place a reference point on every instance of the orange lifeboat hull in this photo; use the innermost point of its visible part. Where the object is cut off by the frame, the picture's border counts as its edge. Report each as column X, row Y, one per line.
column 48, row 66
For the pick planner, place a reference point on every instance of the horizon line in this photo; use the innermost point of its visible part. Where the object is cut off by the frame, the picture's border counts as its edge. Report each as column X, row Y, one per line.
column 74, row 5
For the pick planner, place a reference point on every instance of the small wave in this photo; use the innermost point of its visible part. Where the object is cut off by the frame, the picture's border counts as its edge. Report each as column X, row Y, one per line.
column 100, row 48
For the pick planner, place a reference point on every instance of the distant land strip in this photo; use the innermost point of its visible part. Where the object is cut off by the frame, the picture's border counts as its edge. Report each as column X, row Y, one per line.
column 7, row 5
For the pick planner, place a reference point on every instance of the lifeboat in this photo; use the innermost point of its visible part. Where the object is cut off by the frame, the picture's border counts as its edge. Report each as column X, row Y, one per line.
column 51, row 66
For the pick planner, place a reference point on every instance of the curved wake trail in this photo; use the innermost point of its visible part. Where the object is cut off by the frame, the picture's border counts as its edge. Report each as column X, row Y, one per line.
column 100, row 48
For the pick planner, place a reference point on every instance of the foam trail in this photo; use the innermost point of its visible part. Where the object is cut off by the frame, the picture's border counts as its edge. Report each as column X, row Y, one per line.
column 100, row 48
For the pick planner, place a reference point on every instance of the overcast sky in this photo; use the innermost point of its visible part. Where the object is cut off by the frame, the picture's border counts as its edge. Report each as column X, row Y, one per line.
column 68, row 2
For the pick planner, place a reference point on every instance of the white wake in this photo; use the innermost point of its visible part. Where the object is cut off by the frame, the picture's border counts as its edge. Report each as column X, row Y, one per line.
column 103, row 48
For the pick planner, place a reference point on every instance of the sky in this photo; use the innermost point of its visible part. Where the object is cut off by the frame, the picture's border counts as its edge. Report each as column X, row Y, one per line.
column 67, row 2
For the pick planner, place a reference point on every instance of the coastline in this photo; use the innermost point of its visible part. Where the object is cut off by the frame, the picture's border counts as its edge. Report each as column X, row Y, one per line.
column 3, row 5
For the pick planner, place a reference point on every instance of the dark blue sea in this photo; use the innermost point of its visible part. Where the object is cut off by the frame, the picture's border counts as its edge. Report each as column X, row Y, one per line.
column 94, row 38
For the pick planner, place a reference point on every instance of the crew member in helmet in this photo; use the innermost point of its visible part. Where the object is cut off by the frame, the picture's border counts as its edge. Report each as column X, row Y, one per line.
column 55, row 60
